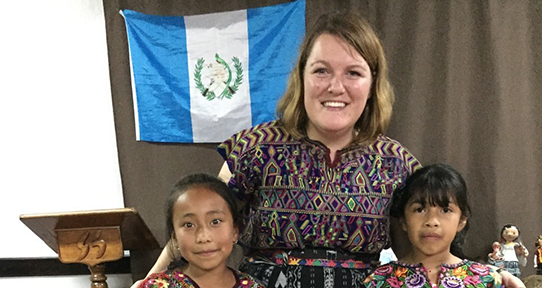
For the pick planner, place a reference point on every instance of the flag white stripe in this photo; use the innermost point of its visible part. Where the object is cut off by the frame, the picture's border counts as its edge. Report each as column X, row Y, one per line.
column 134, row 94
column 228, row 30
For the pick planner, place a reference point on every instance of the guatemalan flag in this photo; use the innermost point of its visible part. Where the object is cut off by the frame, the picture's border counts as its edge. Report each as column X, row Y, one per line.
column 203, row 78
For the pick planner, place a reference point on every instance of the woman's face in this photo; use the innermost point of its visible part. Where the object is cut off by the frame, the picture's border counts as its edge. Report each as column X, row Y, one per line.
column 337, row 83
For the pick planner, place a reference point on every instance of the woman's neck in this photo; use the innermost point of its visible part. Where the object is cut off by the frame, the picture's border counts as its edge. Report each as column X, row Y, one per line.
column 334, row 141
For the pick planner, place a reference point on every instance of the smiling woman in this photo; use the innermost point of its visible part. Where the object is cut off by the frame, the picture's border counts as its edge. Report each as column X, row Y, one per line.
column 337, row 85
column 315, row 186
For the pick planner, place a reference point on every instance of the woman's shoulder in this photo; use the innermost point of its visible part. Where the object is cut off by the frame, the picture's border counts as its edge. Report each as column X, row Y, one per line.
column 247, row 281
column 266, row 126
column 391, row 148
column 387, row 145
column 268, row 132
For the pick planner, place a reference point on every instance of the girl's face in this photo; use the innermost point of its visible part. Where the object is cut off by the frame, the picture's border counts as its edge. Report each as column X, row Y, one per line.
column 337, row 83
column 204, row 230
column 510, row 234
column 431, row 229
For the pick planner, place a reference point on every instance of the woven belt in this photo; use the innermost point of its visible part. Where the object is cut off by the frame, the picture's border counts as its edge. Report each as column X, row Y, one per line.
column 280, row 257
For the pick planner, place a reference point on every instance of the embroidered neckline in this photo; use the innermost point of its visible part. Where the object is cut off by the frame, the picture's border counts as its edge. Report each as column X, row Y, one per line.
column 419, row 265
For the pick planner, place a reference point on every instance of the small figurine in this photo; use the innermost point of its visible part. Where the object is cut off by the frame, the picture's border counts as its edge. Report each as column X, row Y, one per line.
column 495, row 258
column 513, row 251
column 538, row 255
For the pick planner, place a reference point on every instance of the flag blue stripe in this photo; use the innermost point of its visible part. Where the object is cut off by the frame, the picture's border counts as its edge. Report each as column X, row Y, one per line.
column 274, row 36
column 160, row 71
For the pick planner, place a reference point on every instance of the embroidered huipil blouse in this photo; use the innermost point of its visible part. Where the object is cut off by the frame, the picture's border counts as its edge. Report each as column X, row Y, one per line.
column 296, row 197
column 461, row 275
column 177, row 279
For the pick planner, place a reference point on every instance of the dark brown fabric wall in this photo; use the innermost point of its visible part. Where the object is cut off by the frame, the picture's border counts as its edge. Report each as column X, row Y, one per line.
column 467, row 76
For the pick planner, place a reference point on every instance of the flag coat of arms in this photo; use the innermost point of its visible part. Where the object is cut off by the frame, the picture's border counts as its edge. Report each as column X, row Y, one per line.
column 203, row 78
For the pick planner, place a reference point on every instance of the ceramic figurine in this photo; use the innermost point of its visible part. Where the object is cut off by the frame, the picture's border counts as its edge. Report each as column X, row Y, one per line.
column 538, row 255
column 513, row 251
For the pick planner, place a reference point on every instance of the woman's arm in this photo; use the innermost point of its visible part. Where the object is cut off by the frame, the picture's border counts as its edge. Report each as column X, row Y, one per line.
column 161, row 264
column 510, row 281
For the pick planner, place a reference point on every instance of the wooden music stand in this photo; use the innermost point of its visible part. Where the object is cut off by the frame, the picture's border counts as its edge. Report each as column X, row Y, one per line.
column 92, row 237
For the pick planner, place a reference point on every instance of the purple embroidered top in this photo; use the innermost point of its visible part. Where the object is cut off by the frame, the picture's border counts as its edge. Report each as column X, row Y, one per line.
column 461, row 275
column 295, row 197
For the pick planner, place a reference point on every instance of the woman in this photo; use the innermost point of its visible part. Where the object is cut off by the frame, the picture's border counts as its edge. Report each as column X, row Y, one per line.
column 316, row 184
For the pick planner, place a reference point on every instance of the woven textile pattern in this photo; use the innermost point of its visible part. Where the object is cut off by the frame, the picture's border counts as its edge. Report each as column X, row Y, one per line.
column 464, row 274
column 296, row 197
column 177, row 279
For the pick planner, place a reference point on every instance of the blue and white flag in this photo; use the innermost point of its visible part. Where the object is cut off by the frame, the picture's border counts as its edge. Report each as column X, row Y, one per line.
column 203, row 78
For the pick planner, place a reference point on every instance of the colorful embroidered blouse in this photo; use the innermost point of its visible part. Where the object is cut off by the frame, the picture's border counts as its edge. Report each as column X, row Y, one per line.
column 176, row 279
column 297, row 198
column 462, row 275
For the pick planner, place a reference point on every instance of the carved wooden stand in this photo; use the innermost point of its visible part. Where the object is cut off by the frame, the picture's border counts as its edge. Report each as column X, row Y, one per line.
column 92, row 237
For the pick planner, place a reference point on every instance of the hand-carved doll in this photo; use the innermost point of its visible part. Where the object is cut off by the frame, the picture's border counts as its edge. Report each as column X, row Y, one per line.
column 495, row 258
column 513, row 251
column 538, row 255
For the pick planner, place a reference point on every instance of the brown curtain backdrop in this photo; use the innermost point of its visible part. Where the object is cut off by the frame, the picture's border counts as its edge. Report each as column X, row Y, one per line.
column 467, row 77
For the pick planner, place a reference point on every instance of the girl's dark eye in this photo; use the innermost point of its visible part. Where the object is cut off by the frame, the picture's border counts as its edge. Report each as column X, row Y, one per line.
column 446, row 210
column 188, row 225
column 216, row 221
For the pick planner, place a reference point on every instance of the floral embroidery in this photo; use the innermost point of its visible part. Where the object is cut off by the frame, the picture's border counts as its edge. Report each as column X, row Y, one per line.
column 465, row 274
column 394, row 282
column 451, row 282
column 471, row 280
column 383, row 270
column 401, row 271
column 479, row 269
column 415, row 281
column 176, row 279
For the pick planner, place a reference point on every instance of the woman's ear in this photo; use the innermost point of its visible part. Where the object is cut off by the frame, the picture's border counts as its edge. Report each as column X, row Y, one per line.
column 462, row 223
